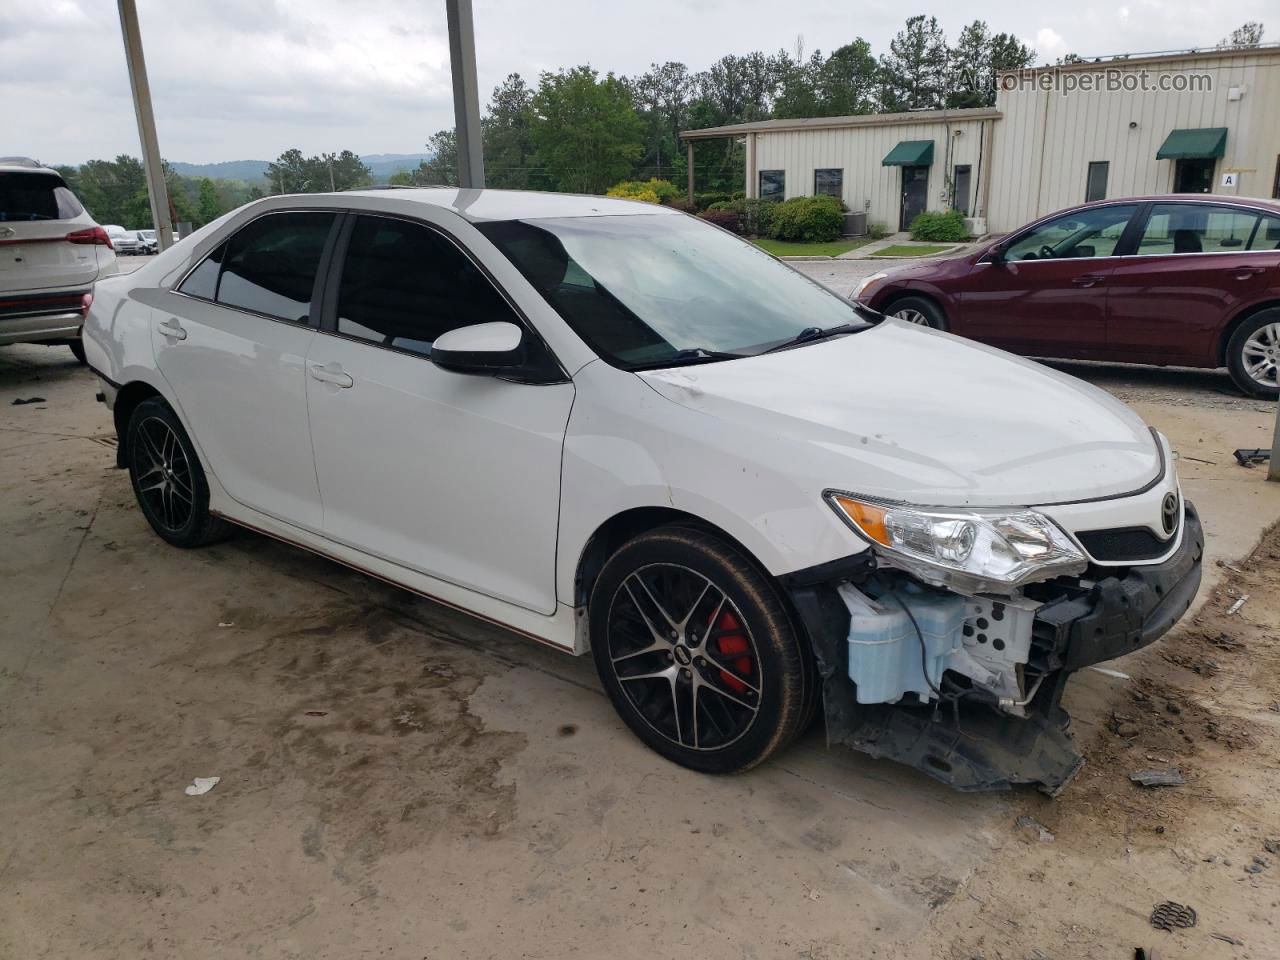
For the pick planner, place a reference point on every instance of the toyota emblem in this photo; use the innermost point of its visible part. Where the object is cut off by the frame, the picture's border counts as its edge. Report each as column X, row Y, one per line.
column 1169, row 513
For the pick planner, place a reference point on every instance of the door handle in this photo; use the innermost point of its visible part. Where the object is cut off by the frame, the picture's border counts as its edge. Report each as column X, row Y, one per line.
column 1088, row 280
column 172, row 328
column 1244, row 273
column 331, row 373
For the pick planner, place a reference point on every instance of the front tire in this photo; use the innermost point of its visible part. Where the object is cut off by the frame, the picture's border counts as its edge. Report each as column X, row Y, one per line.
column 168, row 480
column 696, row 650
column 1253, row 355
column 921, row 311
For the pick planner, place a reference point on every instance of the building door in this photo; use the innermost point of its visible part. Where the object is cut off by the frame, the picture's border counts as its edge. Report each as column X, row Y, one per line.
column 915, row 194
column 1194, row 176
column 961, row 179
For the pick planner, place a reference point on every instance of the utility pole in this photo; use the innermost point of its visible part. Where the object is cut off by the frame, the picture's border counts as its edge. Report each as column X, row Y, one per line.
column 332, row 188
column 466, row 93
column 1273, row 465
column 157, row 190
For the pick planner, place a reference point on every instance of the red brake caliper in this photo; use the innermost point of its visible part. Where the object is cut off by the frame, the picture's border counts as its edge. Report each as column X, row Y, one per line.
column 733, row 643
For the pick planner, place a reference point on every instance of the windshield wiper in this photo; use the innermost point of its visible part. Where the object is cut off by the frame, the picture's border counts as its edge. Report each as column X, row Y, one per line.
column 690, row 355
column 809, row 334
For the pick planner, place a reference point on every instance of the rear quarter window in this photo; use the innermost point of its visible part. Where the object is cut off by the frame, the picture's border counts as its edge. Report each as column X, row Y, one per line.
column 36, row 196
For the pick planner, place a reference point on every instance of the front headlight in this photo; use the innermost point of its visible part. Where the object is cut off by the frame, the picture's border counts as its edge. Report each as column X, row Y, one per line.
column 865, row 284
column 966, row 550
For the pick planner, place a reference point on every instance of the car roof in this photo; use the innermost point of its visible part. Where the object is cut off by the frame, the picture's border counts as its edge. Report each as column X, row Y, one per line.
column 1270, row 206
column 478, row 206
column 24, row 165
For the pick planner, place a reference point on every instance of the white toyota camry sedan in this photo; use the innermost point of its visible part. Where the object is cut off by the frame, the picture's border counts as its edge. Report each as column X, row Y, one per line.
column 612, row 427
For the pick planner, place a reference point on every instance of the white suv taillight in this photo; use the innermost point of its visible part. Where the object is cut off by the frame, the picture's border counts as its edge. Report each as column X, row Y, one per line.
column 93, row 235
column 86, row 301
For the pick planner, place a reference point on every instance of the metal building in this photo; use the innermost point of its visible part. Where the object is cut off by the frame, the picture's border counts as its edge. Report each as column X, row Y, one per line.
column 1205, row 122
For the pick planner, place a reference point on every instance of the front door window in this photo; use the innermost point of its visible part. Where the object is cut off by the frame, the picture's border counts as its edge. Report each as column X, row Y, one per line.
column 1085, row 233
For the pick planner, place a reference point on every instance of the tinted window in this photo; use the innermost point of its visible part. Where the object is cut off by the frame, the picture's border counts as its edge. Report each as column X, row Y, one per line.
column 36, row 196
column 649, row 291
column 203, row 280
column 1085, row 233
column 1267, row 236
column 830, row 182
column 270, row 266
column 1096, row 182
column 1196, row 228
column 404, row 284
column 773, row 183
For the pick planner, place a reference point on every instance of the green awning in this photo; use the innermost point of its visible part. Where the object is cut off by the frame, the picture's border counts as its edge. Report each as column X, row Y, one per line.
column 1203, row 144
column 911, row 153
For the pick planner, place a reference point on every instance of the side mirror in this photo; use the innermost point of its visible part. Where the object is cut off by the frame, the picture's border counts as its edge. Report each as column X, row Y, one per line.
column 995, row 255
column 483, row 348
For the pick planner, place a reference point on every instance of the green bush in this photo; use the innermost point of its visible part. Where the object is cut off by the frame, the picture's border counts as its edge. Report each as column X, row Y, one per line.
column 704, row 201
column 722, row 218
column 877, row 231
column 937, row 227
column 817, row 219
column 650, row 191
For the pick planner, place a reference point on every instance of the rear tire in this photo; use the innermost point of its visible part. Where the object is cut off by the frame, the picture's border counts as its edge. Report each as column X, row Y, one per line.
column 921, row 311
column 1253, row 355
column 168, row 480
column 696, row 651
column 77, row 348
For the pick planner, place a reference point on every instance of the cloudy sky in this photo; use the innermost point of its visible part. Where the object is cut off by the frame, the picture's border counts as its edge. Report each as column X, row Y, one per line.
column 248, row 79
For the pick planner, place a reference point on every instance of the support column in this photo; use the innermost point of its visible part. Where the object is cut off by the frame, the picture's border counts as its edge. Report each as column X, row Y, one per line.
column 466, row 93
column 157, row 189
column 1273, row 468
column 689, row 146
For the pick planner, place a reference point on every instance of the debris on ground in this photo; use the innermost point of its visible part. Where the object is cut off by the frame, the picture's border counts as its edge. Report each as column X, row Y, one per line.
column 1258, row 865
column 1145, row 953
column 317, row 713
column 1235, row 607
column 1247, row 457
column 22, row 401
column 1168, row 915
column 1032, row 830
column 1167, row 777
column 1225, row 641
column 201, row 785
column 1226, row 939
column 1108, row 672
column 1271, row 846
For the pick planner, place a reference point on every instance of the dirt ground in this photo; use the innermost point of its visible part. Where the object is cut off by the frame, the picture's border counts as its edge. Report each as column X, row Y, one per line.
column 398, row 780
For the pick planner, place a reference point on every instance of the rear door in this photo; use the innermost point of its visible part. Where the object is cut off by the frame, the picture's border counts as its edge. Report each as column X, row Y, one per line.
column 37, row 213
column 1047, row 296
column 232, row 342
column 453, row 475
column 1195, row 265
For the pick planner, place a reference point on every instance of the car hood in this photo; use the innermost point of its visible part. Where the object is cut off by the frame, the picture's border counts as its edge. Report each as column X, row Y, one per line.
column 908, row 413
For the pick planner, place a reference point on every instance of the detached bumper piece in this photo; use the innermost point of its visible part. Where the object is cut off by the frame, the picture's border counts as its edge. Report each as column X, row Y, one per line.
column 977, row 736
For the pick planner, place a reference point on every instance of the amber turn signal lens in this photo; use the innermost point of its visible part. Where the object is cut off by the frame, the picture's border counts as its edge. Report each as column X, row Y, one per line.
column 868, row 519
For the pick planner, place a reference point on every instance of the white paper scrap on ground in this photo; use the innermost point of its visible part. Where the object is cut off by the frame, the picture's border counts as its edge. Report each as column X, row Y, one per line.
column 201, row 785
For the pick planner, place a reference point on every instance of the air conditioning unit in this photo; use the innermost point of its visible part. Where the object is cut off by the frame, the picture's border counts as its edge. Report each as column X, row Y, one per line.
column 977, row 226
column 855, row 224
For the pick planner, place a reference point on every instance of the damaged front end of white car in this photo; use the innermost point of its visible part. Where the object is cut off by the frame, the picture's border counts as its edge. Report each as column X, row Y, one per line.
column 948, row 644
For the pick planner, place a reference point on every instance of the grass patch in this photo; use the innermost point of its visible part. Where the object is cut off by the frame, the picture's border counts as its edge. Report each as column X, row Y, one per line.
column 921, row 250
column 786, row 248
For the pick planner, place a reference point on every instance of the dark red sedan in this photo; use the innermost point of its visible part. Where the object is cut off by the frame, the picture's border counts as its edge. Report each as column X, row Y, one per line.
column 1174, row 280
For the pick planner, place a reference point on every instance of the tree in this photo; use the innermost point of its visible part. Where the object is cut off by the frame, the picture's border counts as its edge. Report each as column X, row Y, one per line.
column 976, row 59
column 799, row 81
column 914, row 71
column 208, row 208
column 847, row 80
column 115, row 191
column 662, row 97
column 290, row 174
column 442, row 169
column 341, row 171
column 587, row 134
column 1246, row 35
column 508, row 146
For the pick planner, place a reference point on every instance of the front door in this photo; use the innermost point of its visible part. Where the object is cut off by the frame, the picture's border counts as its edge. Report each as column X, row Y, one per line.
column 1193, row 176
column 961, row 199
column 232, row 341
column 915, row 194
column 1194, row 265
column 1046, row 296
column 453, row 475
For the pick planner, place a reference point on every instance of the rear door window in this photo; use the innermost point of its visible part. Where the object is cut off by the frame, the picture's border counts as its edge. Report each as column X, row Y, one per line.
column 268, row 268
column 36, row 196
column 1186, row 228
column 1267, row 236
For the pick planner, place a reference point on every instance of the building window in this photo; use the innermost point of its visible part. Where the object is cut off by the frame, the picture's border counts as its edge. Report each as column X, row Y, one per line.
column 960, row 188
column 773, row 184
column 1095, row 187
column 1275, row 191
column 829, row 181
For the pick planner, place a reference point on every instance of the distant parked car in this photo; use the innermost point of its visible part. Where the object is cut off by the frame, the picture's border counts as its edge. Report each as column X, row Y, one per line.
column 148, row 237
column 1170, row 280
column 52, row 253
column 127, row 242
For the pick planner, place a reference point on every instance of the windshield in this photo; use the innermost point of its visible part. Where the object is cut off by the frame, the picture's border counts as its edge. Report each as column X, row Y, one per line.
column 652, row 291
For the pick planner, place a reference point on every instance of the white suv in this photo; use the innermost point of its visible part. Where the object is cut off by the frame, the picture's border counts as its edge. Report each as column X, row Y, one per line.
column 52, row 252
column 613, row 427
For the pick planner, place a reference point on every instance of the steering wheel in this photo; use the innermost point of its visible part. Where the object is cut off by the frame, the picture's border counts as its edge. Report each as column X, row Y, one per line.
column 1047, row 252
